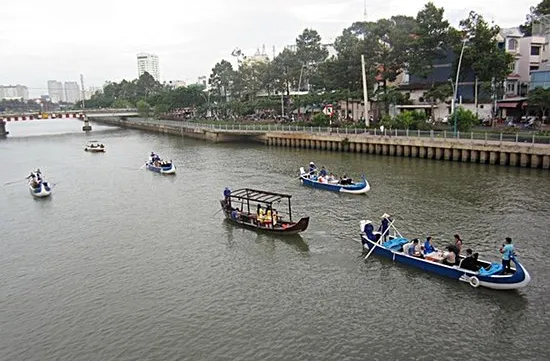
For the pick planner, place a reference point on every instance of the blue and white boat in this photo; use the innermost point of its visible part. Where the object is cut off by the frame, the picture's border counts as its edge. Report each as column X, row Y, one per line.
column 334, row 184
column 38, row 187
column 162, row 167
column 490, row 274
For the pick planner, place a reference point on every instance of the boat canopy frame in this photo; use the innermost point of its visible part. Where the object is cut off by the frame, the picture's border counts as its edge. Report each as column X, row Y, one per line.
column 258, row 196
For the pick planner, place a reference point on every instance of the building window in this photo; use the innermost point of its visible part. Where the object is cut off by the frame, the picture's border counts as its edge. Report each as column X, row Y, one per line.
column 511, row 87
column 512, row 44
column 533, row 67
column 535, row 50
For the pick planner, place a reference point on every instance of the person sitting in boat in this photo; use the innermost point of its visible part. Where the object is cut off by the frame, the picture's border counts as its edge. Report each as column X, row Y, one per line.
column 331, row 178
column 345, row 180
column 449, row 257
column 323, row 172
column 428, row 246
column 414, row 250
column 470, row 261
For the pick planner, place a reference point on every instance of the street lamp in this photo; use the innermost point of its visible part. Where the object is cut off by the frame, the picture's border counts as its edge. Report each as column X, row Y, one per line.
column 455, row 94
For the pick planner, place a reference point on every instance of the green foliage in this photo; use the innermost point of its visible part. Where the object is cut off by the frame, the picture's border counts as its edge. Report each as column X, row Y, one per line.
column 144, row 109
column 465, row 119
column 320, row 120
column 539, row 99
column 121, row 104
column 481, row 52
column 535, row 12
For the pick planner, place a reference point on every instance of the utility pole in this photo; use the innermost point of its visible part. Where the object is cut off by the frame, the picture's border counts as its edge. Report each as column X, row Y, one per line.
column 365, row 11
column 83, row 93
column 365, row 94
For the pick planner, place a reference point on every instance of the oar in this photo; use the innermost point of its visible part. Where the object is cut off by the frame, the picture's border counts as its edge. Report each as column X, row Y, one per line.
column 22, row 180
column 379, row 240
column 219, row 210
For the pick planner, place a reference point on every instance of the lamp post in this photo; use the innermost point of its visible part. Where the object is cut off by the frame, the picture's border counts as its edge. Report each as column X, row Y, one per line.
column 453, row 111
column 365, row 94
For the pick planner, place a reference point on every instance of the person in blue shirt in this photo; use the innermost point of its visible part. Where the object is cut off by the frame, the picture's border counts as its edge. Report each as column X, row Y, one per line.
column 227, row 196
column 507, row 251
column 428, row 246
column 323, row 172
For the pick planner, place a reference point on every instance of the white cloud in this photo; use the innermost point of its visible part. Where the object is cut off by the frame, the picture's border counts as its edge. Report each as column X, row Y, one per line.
column 59, row 39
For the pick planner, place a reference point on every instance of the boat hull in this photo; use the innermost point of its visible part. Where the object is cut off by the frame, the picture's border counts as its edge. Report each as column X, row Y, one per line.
column 94, row 150
column 356, row 188
column 283, row 228
column 162, row 170
column 520, row 278
column 42, row 191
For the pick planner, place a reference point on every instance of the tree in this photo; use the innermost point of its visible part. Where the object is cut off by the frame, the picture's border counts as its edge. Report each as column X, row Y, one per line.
column 539, row 99
column 143, row 108
column 286, row 67
column 310, row 53
column 535, row 12
column 431, row 40
column 482, row 55
column 438, row 93
column 221, row 77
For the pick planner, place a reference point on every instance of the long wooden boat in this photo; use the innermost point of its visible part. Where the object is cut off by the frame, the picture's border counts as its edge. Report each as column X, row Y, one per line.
column 253, row 209
column 490, row 274
column 336, row 185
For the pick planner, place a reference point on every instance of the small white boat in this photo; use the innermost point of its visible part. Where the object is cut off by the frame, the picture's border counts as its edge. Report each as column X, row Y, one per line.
column 157, row 165
column 94, row 146
column 40, row 189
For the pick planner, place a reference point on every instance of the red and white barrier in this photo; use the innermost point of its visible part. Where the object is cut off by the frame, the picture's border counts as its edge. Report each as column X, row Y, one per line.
column 16, row 118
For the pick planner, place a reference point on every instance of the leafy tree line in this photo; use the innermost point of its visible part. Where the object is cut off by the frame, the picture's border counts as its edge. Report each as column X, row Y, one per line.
column 390, row 47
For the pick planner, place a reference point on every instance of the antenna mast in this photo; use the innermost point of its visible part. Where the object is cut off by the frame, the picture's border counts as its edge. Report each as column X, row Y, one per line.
column 365, row 11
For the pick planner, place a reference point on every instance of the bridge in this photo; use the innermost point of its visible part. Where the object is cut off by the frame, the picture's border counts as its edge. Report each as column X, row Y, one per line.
column 69, row 114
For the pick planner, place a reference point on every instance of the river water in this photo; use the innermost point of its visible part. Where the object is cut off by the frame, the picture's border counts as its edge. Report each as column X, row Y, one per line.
column 124, row 264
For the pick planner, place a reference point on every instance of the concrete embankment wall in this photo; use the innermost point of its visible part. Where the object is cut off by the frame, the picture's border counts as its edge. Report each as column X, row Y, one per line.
column 522, row 154
column 211, row 135
column 474, row 151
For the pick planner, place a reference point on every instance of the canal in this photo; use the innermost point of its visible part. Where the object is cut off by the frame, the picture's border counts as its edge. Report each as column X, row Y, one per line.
column 124, row 264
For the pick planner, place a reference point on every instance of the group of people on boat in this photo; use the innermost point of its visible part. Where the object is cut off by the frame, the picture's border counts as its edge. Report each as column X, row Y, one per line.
column 323, row 176
column 35, row 178
column 95, row 145
column 264, row 217
column 154, row 159
column 451, row 256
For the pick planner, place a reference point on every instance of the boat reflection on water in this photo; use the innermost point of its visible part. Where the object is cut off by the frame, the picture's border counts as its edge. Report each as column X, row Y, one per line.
column 294, row 240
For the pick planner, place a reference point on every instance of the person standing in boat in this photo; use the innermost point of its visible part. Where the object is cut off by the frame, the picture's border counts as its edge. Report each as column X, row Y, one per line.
column 385, row 225
column 323, row 172
column 312, row 169
column 508, row 252
column 227, row 197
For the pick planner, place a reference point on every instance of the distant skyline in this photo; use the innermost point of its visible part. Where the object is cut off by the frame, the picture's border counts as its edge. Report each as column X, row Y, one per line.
column 101, row 38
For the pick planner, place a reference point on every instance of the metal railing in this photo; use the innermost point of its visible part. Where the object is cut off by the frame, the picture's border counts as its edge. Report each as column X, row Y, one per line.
column 427, row 134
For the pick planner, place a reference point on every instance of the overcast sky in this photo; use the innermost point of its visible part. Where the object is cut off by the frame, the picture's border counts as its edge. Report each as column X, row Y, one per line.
column 60, row 39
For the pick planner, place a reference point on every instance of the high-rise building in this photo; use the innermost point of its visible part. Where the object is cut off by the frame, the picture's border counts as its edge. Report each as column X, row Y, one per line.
column 55, row 91
column 148, row 63
column 72, row 92
column 14, row 92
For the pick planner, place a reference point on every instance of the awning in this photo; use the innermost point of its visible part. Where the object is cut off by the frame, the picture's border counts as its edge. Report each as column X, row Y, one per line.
column 508, row 105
